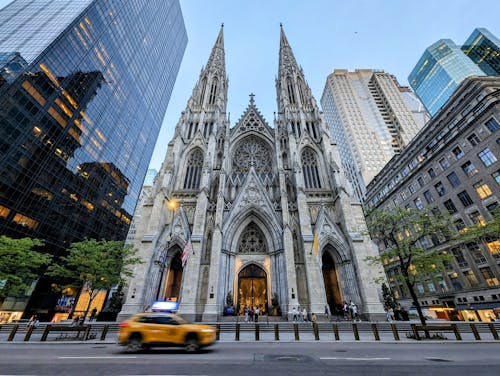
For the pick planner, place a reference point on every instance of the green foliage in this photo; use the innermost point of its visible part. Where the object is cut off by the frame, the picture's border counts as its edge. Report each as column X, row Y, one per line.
column 96, row 265
column 116, row 301
column 19, row 264
column 390, row 300
column 480, row 231
column 401, row 231
column 229, row 299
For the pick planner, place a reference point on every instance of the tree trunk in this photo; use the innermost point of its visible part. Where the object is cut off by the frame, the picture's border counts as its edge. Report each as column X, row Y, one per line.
column 415, row 301
column 91, row 299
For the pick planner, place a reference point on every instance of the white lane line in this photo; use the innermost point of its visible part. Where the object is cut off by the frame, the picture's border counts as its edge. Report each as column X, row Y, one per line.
column 344, row 358
column 96, row 357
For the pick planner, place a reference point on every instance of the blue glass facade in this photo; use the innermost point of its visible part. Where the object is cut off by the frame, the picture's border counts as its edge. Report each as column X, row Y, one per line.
column 483, row 48
column 442, row 67
column 78, row 125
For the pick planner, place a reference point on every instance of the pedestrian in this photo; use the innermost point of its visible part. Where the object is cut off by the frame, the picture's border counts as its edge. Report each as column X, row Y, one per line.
column 75, row 321
column 345, row 309
column 93, row 314
column 390, row 313
column 246, row 313
column 354, row 309
column 304, row 314
column 313, row 318
column 294, row 314
column 256, row 314
column 251, row 313
column 299, row 314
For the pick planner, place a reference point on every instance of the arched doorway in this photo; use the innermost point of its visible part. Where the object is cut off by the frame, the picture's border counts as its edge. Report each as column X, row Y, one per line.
column 252, row 288
column 173, row 280
column 330, row 278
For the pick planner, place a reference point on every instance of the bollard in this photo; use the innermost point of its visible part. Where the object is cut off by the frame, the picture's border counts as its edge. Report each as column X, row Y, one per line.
column 316, row 331
column 456, row 331
column 355, row 331
column 375, row 332
column 475, row 332
column 336, row 332
column 45, row 333
column 276, row 332
column 86, row 333
column 257, row 332
column 493, row 331
column 28, row 333
column 217, row 333
column 104, row 332
column 237, row 333
column 415, row 331
column 296, row 331
column 13, row 332
column 395, row 332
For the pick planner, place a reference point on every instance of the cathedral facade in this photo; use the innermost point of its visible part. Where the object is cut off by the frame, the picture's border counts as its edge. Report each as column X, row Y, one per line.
column 264, row 215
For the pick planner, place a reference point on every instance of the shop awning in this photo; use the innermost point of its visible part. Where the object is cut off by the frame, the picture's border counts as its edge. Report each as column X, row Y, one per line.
column 473, row 306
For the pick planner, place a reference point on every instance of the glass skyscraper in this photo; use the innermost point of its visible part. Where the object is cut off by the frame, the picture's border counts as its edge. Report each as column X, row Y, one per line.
column 84, row 86
column 483, row 48
column 442, row 67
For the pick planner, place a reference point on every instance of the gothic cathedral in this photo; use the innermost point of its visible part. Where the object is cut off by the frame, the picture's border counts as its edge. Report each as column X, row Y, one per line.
column 264, row 214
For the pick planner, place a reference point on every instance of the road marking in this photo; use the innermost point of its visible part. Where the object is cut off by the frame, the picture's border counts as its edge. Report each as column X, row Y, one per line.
column 96, row 357
column 345, row 358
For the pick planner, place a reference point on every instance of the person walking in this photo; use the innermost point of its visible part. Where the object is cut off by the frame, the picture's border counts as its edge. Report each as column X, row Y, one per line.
column 294, row 314
column 251, row 312
column 245, row 310
column 304, row 314
column 256, row 314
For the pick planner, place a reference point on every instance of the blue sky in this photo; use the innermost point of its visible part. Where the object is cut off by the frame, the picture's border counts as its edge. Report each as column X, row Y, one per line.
column 390, row 35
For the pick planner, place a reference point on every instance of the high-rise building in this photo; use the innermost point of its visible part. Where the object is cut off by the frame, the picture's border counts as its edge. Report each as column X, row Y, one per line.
column 264, row 216
column 371, row 118
column 483, row 48
column 442, row 67
column 452, row 166
column 85, row 87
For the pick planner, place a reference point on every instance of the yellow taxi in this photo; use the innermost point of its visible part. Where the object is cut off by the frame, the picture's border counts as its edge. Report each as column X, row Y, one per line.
column 152, row 329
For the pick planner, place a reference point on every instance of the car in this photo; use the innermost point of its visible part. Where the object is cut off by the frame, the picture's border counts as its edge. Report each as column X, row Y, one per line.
column 156, row 329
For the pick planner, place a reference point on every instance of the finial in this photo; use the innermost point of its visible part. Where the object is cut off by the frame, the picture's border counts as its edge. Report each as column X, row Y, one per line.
column 222, row 25
column 251, row 98
column 281, row 25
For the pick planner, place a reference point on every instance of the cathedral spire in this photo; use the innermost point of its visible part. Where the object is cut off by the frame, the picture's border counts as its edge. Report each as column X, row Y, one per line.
column 217, row 61
column 287, row 60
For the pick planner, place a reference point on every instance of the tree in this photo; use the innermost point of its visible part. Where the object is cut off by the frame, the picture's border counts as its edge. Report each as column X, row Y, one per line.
column 404, row 234
column 390, row 300
column 19, row 264
column 93, row 265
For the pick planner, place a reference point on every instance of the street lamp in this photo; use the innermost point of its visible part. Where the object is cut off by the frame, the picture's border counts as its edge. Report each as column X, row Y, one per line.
column 172, row 204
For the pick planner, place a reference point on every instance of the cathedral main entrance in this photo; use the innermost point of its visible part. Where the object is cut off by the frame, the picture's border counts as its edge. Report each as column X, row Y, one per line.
column 252, row 289
column 173, row 281
column 330, row 278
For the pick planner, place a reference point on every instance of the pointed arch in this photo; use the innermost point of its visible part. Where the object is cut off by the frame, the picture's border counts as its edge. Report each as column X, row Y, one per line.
column 193, row 170
column 300, row 85
column 290, row 91
column 252, row 240
column 310, row 168
column 213, row 91
column 203, row 90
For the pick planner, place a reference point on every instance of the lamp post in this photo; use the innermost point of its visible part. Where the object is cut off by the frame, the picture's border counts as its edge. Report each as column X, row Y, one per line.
column 172, row 204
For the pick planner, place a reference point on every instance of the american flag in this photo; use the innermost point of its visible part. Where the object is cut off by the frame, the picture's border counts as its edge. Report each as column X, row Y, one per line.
column 186, row 251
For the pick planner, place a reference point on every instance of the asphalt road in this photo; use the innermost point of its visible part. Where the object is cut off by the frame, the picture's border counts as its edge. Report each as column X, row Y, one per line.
column 255, row 359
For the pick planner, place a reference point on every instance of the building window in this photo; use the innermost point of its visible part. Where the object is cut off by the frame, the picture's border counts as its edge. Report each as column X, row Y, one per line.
column 310, row 169
column 440, row 189
column 482, row 190
column 496, row 176
column 471, row 277
column 460, row 225
column 443, row 162
column 469, row 169
column 453, row 179
column 487, row 157
column 492, row 207
column 492, row 125
column 477, row 218
column 459, row 256
column 411, row 188
column 476, row 253
column 420, row 181
column 418, row 203
column 457, row 152
column 473, row 139
column 494, row 247
column 403, row 195
column 431, row 172
column 193, row 170
column 489, row 277
column 450, row 206
column 428, row 197
column 465, row 198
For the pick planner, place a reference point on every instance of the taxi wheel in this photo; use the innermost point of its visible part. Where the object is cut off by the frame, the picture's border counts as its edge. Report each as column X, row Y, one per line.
column 135, row 344
column 192, row 345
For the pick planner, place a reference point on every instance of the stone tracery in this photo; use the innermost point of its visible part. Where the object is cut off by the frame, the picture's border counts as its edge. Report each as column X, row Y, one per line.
column 252, row 240
column 252, row 152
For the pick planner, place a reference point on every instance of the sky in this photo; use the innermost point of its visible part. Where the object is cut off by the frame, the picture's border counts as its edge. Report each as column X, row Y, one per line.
column 390, row 35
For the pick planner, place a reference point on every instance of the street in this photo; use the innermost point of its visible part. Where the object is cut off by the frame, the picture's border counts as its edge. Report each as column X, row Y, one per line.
column 251, row 358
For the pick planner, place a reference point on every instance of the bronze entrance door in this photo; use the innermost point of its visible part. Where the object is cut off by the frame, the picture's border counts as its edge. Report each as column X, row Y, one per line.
column 252, row 289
